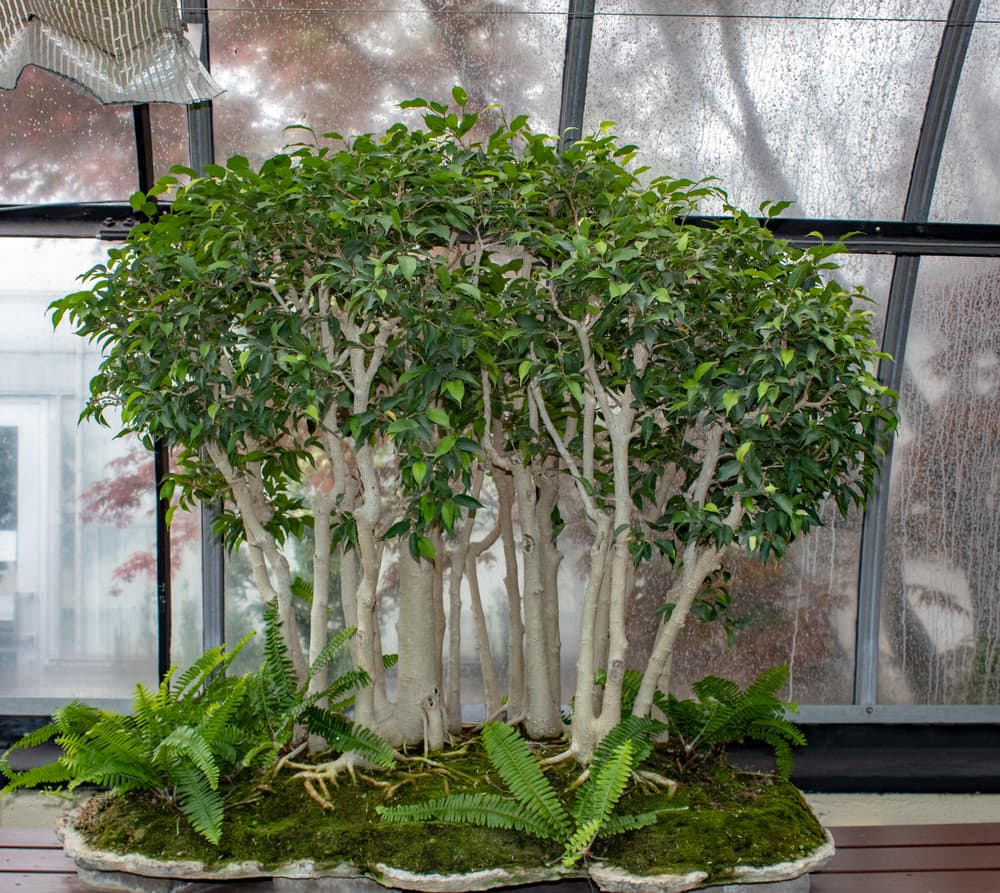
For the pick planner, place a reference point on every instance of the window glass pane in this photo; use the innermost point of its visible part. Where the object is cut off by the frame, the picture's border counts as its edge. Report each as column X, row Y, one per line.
column 968, row 183
column 940, row 612
column 803, row 610
column 77, row 599
column 185, row 588
column 61, row 145
column 816, row 103
column 342, row 65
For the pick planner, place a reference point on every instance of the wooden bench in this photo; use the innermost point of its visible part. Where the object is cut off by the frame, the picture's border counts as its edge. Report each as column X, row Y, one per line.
column 870, row 859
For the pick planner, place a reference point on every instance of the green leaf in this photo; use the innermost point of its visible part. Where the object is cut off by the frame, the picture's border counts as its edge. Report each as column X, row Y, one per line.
column 445, row 445
column 455, row 388
column 407, row 265
column 419, row 471
column 439, row 417
column 730, row 399
column 786, row 356
column 742, row 450
column 459, row 95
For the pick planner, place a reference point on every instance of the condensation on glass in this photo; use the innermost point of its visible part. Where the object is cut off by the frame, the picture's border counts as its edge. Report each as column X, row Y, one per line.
column 968, row 182
column 77, row 534
column 940, row 625
column 345, row 65
column 61, row 145
column 815, row 103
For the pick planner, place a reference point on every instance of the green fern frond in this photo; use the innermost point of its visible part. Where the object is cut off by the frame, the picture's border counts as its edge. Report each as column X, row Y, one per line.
column 640, row 730
column 485, row 810
column 201, row 804
column 195, row 676
column 578, row 844
column 770, row 682
column 605, row 784
column 186, row 743
column 518, row 768
column 215, row 725
column 278, row 671
column 724, row 714
column 633, row 821
column 349, row 681
column 148, row 718
column 343, row 736
column 18, row 779
column 389, row 661
column 714, row 688
column 330, row 651
column 55, row 773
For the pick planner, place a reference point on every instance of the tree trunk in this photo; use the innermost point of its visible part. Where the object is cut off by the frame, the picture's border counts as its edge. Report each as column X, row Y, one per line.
column 504, row 483
column 542, row 717
column 419, row 707
column 551, row 558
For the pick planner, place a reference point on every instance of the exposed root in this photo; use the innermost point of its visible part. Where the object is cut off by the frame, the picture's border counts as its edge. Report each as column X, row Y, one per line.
column 653, row 781
column 561, row 757
column 318, row 776
column 287, row 760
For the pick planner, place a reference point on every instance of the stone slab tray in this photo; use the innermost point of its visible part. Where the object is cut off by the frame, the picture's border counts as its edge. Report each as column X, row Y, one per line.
column 135, row 873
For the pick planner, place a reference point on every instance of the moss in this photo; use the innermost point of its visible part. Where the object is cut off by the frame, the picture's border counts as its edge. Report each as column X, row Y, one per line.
column 722, row 818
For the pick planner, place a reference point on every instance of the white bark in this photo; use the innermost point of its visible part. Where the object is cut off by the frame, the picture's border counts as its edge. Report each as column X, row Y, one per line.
column 542, row 717
column 491, row 686
column 419, row 709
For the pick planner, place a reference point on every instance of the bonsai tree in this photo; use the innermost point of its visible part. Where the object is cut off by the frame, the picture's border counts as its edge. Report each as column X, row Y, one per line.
column 427, row 342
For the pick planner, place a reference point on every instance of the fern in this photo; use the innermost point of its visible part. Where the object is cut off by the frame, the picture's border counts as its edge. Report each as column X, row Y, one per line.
column 198, row 728
column 200, row 802
column 511, row 757
column 286, row 707
column 535, row 808
column 722, row 713
column 343, row 735
column 485, row 810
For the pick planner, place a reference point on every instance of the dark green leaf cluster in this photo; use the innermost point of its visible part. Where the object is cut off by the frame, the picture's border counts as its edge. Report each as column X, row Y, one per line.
column 199, row 730
column 245, row 317
column 721, row 713
column 535, row 808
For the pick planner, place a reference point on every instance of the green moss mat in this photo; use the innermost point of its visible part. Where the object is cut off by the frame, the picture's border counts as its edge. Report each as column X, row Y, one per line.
column 720, row 818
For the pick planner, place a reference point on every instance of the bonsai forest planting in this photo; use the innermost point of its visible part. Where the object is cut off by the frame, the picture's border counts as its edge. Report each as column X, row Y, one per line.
column 423, row 356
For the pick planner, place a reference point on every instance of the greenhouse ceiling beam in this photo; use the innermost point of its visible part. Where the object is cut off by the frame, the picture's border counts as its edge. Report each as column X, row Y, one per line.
column 923, row 176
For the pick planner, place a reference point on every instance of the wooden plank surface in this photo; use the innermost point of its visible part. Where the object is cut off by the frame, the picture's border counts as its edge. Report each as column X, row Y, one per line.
column 29, row 837
column 19, row 859
column 908, row 882
column 42, row 883
column 916, row 858
column 917, row 835
column 871, row 859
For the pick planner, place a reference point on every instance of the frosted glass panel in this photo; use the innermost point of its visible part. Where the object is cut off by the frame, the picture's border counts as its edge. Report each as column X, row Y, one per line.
column 816, row 103
column 941, row 603
column 345, row 65
column 968, row 184
column 77, row 605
